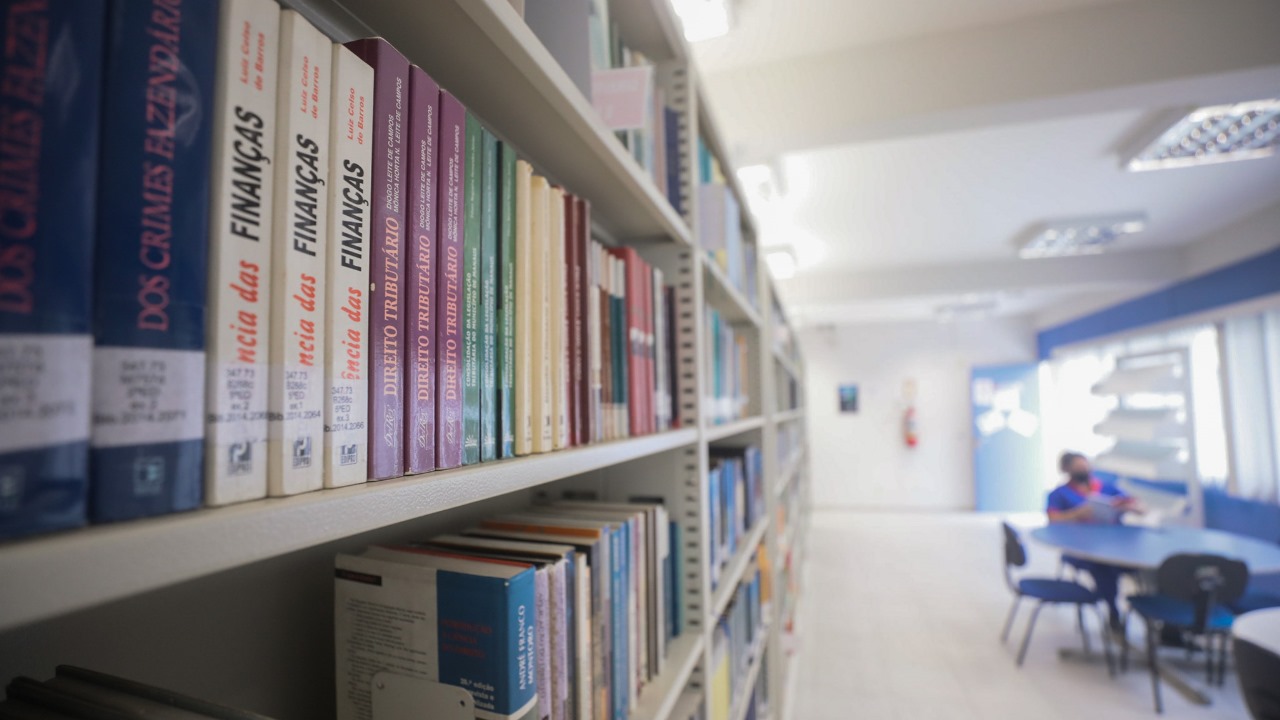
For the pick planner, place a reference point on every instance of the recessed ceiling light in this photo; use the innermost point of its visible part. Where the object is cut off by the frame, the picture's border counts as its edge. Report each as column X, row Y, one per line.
column 1080, row 236
column 971, row 306
column 1215, row 134
column 782, row 262
column 702, row 19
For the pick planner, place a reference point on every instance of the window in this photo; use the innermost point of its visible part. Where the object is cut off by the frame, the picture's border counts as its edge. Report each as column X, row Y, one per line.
column 1252, row 358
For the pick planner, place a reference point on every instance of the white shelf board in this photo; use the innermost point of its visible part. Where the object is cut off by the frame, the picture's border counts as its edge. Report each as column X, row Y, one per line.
column 784, row 416
column 1142, row 425
column 724, row 297
column 51, row 575
column 714, row 433
column 743, row 693
column 661, row 696
column 483, row 52
column 687, row 706
column 1160, row 379
column 727, row 585
column 786, row 363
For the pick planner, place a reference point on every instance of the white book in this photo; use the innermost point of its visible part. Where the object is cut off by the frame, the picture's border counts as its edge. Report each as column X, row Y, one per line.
column 542, row 402
column 296, row 403
column 523, row 406
column 346, row 366
column 559, row 321
column 240, row 216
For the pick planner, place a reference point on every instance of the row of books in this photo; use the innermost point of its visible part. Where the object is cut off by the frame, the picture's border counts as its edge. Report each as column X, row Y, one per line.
column 76, row 693
column 738, row 642
column 564, row 611
column 294, row 264
column 727, row 357
column 720, row 227
column 736, row 501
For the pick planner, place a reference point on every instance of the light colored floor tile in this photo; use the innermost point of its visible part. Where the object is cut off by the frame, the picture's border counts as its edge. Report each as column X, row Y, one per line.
column 901, row 620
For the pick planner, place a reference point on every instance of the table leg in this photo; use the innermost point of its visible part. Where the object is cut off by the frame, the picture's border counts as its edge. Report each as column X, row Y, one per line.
column 1138, row 657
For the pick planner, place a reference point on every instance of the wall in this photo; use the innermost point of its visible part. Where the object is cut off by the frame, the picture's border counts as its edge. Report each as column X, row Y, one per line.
column 860, row 460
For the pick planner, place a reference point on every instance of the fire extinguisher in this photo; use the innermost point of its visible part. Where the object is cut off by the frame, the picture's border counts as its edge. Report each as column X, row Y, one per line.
column 909, row 433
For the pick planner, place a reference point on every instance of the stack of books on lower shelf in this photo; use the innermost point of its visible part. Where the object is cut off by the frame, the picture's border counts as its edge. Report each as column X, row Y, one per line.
column 79, row 694
column 564, row 611
column 737, row 645
column 735, row 489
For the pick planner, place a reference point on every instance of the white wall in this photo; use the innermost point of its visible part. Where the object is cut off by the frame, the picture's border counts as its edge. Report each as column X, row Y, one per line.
column 861, row 460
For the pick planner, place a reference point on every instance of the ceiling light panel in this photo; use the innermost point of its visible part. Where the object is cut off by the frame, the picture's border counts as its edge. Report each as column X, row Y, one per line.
column 1216, row 134
column 1080, row 236
column 782, row 263
column 703, row 19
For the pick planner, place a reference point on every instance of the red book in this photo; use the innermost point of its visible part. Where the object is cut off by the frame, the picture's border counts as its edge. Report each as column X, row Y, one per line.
column 420, row 350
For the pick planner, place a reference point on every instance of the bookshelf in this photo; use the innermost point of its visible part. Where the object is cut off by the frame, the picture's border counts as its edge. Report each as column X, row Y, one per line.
column 236, row 603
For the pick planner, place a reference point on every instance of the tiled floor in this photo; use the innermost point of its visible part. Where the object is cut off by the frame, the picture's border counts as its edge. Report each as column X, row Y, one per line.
column 901, row 621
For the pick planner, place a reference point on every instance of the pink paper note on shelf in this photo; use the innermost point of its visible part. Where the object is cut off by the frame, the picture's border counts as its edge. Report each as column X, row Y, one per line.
column 623, row 96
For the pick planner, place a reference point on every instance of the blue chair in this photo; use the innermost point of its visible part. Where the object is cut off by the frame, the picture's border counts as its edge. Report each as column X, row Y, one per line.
column 1047, row 591
column 1192, row 596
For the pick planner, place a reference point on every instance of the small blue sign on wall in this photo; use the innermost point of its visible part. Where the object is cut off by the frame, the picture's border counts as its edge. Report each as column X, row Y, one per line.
column 1007, row 450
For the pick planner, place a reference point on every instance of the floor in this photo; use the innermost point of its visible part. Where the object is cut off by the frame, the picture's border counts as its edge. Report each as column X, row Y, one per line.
column 901, row 620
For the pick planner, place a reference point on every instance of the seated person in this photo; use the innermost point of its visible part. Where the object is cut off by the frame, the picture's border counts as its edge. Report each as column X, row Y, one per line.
column 1085, row 499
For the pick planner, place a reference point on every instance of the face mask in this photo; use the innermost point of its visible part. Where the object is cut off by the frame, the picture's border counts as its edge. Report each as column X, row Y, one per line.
column 1080, row 477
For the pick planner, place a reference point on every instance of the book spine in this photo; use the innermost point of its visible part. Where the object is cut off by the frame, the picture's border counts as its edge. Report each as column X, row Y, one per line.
column 296, row 400
column 541, row 350
column 240, row 251
column 593, row 339
column 450, row 194
column 559, row 323
column 573, row 277
column 49, row 199
column 346, row 396
column 471, row 232
column 507, row 301
column 525, row 262
column 150, row 274
column 489, row 297
column 387, row 265
column 582, row 214
column 423, row 155
column 542, row 616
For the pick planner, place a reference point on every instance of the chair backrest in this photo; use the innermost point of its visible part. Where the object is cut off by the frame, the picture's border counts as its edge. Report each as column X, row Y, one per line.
column 1202, row 580
column 1014, row 554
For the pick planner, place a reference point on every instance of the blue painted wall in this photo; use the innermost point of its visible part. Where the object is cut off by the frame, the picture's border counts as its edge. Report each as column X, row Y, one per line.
column 1248, row 279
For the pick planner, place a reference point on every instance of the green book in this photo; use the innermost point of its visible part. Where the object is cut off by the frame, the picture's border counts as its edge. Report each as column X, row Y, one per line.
column 489, row 301
column 507, row 302
column 471, row 266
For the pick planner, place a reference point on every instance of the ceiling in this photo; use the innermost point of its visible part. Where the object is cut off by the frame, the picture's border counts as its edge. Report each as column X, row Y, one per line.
column 924, row 139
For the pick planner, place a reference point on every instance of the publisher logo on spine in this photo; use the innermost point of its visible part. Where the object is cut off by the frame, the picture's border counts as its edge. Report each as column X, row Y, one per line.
column 349, row 454
column 12, row 480
column 148, row 476
column 302, row 452
column 240, row 459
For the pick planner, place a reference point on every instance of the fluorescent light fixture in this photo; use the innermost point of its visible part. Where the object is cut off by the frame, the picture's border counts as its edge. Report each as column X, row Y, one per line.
column 703, row 19
column 761, row 184
column 782, row 262
column 1080, row 236
column 1215, row 134
column 969, row 307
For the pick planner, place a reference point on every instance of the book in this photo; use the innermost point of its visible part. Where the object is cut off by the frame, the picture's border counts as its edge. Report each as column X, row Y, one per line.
column 423, row 261
column 471, row 230
column 450, row 200
column 558, row 320
column 387, row 265
column 572, row 308
column 594, row 357
column 523, row 407
column 46, row 260
column 542, row 366
column 240, row 237
column 581, row 379
column 346, row 399
column 458, row 620
column 506, row 294
column 489, row 297
column 295, row 402
column 150, row 262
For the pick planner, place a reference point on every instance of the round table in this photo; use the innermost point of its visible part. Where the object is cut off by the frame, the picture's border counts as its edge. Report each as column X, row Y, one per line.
column 1260, row 627
column 1144, row 548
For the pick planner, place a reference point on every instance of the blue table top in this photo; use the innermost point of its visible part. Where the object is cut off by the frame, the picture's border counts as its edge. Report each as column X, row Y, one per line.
column 1145, row 548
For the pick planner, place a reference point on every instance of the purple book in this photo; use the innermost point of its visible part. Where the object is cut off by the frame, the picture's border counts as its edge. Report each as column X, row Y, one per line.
column 424, row 137
column 386, row 272
column 448, row 285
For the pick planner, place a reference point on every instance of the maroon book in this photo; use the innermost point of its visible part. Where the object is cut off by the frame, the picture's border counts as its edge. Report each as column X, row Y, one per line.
column 420, row 356
column 572, row 309
column 450, row 199
column 386, row 272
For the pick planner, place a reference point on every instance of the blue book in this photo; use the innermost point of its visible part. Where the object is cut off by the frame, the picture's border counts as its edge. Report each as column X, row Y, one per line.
column 48, row 147
column 150, row 269
column 671, row 119
column 713, row 522
column 621, row 634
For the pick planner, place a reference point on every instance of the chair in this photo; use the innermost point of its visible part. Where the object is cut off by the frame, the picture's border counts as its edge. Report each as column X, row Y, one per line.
column 1192, row 595
column 1047, row 591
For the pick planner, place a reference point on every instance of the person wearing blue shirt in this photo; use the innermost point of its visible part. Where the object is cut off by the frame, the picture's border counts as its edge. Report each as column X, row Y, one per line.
column 1084, row 498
